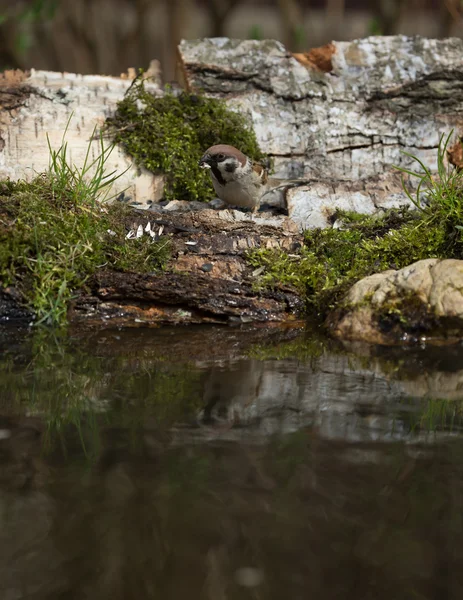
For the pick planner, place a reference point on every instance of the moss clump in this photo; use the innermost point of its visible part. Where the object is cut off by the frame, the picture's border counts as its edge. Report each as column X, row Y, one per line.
column 332, row 260
column 171, row 133
column 51, row 241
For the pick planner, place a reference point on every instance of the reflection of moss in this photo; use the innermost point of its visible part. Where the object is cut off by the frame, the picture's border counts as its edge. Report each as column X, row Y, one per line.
column 72, row 388
column 304, row 347
column 170, row 134
column 332, row 260
column 51, row 242
column 439, row 414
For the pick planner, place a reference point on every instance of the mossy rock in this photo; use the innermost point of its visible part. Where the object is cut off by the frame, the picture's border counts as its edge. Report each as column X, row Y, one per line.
column 422, row 301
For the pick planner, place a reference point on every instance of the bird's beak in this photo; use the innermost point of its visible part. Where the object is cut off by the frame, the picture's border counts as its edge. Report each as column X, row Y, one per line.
column 205, row 161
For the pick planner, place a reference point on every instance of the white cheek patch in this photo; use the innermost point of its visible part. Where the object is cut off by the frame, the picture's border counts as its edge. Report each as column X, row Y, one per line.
column 228, row 166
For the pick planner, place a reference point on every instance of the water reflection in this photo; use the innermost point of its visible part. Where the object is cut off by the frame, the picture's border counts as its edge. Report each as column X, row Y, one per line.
column 223, row 464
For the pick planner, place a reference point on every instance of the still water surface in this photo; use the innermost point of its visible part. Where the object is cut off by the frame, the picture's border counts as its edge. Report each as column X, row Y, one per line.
column 217, row 464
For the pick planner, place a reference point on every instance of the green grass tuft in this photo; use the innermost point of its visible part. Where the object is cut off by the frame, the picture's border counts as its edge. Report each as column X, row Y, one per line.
column 170, row 134
column 439, row 197
column 55, row 234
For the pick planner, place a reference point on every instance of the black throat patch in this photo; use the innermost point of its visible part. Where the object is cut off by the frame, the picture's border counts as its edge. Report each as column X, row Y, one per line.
column 218, row 175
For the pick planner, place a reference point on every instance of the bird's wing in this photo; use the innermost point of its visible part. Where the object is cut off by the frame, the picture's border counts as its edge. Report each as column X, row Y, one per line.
column 274, row 183
column 261, row 172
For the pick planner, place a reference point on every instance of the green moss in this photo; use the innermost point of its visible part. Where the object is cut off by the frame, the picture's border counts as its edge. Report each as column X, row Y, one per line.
column 332, row 260
column 171, row 133
column 51, row 242
column 407, row 314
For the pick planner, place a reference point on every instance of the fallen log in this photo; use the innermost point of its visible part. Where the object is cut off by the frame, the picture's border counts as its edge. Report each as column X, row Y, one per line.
column 207, row 280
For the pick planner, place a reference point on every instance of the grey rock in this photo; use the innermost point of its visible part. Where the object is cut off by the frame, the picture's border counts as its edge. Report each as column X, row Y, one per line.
column 207, row 267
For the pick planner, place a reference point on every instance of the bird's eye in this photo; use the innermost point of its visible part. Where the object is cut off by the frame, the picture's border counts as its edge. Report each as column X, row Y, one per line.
column 220, row 157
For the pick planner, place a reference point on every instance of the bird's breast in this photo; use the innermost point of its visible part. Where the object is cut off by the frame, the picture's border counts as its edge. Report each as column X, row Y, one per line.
column 237, row 194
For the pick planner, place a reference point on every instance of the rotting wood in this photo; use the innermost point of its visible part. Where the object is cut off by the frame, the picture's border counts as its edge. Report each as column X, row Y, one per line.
column 181, row 298
column 186, row 292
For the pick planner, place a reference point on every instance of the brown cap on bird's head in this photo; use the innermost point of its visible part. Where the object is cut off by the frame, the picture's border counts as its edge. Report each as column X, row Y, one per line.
column 221, row 152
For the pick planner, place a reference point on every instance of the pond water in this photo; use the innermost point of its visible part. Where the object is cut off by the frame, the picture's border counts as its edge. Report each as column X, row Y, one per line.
column 221, row 463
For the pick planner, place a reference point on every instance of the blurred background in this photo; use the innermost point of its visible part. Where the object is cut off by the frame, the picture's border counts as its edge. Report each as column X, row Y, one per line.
column 109, row 36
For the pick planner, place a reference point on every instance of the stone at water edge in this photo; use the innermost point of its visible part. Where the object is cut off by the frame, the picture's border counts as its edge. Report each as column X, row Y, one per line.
column 422, row 300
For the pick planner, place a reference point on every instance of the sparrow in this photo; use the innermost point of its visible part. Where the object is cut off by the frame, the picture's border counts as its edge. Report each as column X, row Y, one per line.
column 236, row 179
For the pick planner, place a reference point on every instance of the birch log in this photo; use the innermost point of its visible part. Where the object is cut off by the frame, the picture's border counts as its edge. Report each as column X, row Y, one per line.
column 340, row 115
column 38, row 106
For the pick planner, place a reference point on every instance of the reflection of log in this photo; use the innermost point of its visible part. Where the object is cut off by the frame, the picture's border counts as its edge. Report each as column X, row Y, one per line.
column 340, row 394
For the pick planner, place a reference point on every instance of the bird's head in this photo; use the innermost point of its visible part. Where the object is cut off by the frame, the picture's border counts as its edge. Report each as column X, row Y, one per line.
column 226, row 161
